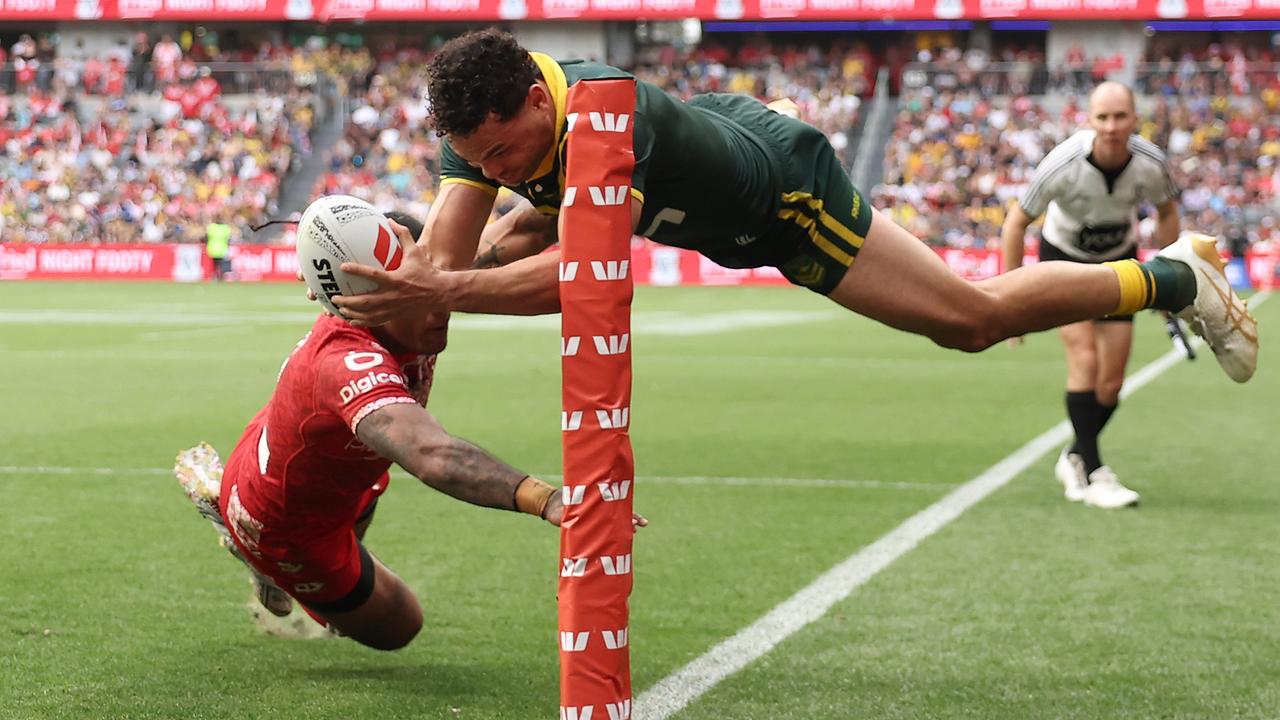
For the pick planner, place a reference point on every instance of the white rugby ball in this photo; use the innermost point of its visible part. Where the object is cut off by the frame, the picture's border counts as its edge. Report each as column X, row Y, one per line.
column 341, row 228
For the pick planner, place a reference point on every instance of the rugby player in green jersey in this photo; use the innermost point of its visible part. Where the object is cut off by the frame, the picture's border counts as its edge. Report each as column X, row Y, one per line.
column 747, row 187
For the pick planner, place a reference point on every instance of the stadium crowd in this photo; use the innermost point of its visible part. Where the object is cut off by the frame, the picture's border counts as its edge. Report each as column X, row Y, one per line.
column 389, row 156
column 959, row 154
column 87, row 159
column 116, row 148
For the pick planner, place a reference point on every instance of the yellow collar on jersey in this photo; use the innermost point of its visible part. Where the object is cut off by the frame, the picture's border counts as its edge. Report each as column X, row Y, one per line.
column 553, row 75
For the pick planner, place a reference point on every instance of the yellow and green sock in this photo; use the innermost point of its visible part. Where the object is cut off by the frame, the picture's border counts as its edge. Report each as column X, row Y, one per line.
column 1159, row 283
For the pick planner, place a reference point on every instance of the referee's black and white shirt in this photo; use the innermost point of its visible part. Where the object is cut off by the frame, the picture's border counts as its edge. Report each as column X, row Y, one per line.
column 1091, row 214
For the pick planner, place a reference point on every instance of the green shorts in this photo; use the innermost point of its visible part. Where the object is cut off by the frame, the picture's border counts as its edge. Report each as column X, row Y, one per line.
column 819, row 220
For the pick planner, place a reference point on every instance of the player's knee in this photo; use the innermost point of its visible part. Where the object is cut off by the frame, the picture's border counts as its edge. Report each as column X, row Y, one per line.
column 393, row 635
column 972, row 332
column 1108, row 391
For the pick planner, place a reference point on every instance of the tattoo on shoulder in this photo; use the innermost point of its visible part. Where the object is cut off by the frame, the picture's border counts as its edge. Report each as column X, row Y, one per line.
column 375, row 432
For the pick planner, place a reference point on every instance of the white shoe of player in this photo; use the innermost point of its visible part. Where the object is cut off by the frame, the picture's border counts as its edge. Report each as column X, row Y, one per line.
column 1070, row 472
column 1218, row 315
column 1105, row 491
column 199, row 471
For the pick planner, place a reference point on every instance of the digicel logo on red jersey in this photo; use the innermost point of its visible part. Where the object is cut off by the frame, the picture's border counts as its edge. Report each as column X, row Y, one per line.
column 362, row 385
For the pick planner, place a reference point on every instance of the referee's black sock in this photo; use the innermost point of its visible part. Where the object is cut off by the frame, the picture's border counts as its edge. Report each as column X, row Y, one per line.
column 1104, row 413
column 1085, row 415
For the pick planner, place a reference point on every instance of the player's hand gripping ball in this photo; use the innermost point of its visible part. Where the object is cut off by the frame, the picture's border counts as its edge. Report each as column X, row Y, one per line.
column 337, row 229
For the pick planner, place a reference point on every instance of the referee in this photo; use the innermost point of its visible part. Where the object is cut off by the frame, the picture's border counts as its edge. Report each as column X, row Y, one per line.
column 1089, row 188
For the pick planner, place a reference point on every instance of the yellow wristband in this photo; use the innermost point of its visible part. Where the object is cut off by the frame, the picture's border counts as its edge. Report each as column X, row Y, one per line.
column 532, row 496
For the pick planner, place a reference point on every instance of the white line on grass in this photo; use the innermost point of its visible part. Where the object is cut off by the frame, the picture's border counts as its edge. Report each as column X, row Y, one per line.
column 674, row 692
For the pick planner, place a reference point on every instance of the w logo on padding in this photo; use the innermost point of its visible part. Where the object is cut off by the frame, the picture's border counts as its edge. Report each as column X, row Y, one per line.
column 568, row 271
column 614, row 491
column 610, row 269
column 574, row 642
column 573, row 567
column 573, row 494
column 613, row 418
column 388, row 253
column 620, row 710
column 569, row 345
column 615, row 640
column 582, row 712
column 616, row 564
column 607, row 195
column 609, row 122
column 570, row 420
column 610, row 344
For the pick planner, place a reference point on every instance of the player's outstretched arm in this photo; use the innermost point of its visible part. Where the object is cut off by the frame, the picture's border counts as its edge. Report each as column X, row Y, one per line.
column 408, row 435
column 527, row 287
column 517, row 235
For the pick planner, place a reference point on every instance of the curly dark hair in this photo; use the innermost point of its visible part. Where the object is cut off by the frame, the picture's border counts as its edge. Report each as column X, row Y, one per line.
column 482, row 72
column 413, row 224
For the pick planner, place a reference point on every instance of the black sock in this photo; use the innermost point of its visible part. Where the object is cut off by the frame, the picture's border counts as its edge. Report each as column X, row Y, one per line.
column 1083, row 410
column 1104, row 414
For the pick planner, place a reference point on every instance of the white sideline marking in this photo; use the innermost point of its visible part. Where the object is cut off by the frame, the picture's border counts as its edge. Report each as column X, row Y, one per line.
column 193, row 332
column 674, row 692
column 56, row 470
column 658, row 479
column 657, row 323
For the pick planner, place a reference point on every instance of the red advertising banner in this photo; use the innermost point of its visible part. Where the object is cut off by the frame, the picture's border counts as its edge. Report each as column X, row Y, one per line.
column 261, row 262
column 88, row 262
column 510, row 10
column 599, row 469
column 650, row 264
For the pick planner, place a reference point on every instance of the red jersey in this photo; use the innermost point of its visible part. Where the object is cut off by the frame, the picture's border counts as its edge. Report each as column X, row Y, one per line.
column 299, row 468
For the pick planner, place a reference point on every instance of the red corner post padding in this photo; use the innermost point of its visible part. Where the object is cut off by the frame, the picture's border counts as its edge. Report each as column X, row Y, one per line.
column 595, row 301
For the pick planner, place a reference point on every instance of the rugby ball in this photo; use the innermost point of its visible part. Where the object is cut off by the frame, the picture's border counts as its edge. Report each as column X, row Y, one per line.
column 340, row 228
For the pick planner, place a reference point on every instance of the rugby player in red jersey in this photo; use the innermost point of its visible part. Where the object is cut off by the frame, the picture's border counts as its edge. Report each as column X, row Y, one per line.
column 300, row 487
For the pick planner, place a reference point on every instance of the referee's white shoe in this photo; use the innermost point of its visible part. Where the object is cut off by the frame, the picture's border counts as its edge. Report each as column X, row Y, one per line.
column 1105, row 491
column 1070, row 472
column 1218, row 315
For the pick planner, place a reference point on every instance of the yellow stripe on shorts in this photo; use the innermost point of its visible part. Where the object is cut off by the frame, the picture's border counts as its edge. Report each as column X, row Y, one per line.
column 828, row 233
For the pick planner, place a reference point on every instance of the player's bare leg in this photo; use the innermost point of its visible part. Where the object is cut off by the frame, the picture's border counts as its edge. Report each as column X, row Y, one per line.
column 1097, row 353
column 902, row 282
column 1113, row 343
column 388, row 620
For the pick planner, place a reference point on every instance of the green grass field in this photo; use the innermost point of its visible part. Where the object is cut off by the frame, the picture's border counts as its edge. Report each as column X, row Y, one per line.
column 116, row 603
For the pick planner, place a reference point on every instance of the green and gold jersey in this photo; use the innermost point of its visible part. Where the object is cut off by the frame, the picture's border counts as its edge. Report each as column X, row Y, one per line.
column 714, row 174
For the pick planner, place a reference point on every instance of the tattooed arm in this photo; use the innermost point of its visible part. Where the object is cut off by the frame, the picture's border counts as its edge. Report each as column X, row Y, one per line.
column 518, row 234
column 408, row 435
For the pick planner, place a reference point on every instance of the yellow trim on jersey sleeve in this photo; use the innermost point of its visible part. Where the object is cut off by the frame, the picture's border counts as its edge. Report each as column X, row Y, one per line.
column 637, row 195
column 553, row 74
column 493, row 191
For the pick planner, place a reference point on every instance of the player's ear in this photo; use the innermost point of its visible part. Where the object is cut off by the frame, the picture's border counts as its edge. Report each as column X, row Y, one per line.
column 538, row 96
